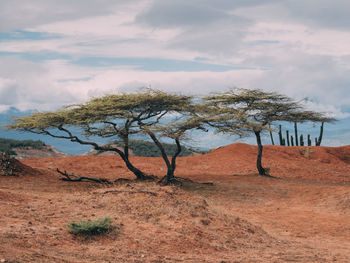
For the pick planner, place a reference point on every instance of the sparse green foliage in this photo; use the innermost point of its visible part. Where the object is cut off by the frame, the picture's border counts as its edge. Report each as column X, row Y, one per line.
column 7, row 164
column 98, row 226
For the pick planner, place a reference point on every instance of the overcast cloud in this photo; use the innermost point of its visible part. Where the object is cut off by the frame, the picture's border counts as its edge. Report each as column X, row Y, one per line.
column 57, row 52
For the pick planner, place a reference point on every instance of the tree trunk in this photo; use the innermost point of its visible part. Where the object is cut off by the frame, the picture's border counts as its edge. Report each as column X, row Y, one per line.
column 170, row 172
column 138, row 173
column 171, row 166
column 260, row 150
column 176, row 154
column 125, row 157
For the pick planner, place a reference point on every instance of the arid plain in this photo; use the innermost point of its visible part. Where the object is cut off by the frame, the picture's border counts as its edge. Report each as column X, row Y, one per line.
column 224, row 213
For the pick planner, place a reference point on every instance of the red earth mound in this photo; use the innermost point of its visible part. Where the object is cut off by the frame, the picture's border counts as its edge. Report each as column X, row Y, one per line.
column 329, row 164
column 16, row 167
column 320, row 163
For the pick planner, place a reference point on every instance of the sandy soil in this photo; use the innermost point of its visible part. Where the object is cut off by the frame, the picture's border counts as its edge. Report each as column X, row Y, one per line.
column 302, row 215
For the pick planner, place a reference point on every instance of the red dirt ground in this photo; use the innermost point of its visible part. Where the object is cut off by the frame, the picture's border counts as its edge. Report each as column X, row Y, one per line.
column 301, row 215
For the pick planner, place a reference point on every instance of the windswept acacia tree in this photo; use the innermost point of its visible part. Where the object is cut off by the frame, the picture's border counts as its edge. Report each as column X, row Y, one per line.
column 112, row 116
column 174, row 128
column 172, row 116
column 253, row 111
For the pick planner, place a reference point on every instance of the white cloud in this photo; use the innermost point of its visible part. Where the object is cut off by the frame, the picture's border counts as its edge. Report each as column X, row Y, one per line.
column 186, row 82
column 52, row 84
column 27, row 85
column 300, row 38
column 320, row 13
column 19, row 14
column 303, row 46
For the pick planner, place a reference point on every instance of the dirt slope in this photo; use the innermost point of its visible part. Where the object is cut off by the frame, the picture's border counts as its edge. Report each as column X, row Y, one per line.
column 303, row 216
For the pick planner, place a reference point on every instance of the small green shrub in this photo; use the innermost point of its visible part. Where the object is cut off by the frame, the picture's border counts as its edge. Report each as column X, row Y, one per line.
column 6, row 164
column 98, row 226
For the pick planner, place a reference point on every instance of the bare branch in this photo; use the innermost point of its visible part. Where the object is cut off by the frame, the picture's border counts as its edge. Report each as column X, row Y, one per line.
column 74, row 178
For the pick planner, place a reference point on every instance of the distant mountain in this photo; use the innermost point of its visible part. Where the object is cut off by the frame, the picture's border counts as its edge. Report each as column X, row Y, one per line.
column 60, row 144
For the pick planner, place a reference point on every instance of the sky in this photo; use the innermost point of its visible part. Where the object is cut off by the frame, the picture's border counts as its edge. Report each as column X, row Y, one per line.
column 59, row 52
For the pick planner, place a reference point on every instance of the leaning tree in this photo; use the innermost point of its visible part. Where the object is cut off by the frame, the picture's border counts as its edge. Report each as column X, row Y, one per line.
column 253, row 111
column 175, row 116
column 116, row 116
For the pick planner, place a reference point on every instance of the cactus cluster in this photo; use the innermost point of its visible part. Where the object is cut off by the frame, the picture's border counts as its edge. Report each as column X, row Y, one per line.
column 299, row 140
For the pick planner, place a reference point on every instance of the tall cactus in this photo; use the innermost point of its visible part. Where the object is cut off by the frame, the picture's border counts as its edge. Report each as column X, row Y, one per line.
column 308, row 140
column 287, row 134
column 301, row 140
column 280, row 135
column 319, row 140
column 296, row 133
column 272, row 141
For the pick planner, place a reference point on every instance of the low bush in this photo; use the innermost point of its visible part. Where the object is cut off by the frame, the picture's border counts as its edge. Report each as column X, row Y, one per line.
column 98, row 226
column 6, row 164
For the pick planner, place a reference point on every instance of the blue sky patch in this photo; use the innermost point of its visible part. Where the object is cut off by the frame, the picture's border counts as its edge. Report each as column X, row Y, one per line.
column 25, row 35
column 37, row 56
column 155, row 64
column 263, row 42
column 147, row 64
column 78, row 79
